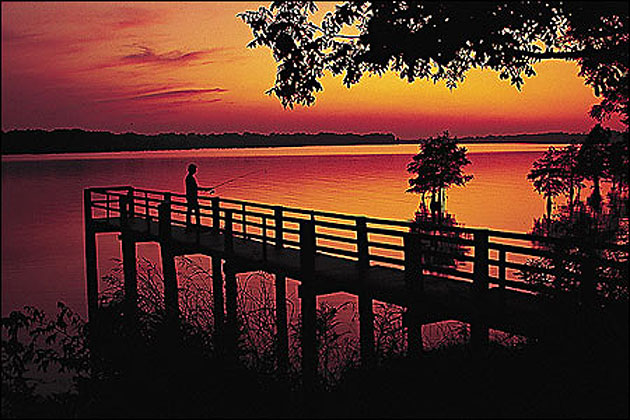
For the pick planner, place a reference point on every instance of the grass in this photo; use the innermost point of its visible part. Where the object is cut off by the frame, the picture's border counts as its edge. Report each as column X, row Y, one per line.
column 151, row 375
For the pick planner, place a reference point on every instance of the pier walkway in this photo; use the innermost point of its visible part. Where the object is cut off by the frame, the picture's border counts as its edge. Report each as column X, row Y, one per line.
column 436, row 272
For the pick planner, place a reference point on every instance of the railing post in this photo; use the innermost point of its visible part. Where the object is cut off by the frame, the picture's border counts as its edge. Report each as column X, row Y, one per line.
column 479, row 331
column 107, row 211
column 228, row 238
column 278, row 219
column 307, row 246
column 362, row 243
column 198, row 224
column 501, row 269
column 264, row 237
column 216, row 215
column 130, row 203
column 122, row 208
column 164, row 218
column 308, row 304
column 414, row 283
column 366, row 305
column 414, row 276
column 244, row 221
column 147, row 211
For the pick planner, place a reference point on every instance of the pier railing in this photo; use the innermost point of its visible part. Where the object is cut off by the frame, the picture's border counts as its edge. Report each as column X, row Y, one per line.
column 489, row 258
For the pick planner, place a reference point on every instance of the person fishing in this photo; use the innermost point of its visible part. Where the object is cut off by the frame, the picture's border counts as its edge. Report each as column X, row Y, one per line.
column 192, row 195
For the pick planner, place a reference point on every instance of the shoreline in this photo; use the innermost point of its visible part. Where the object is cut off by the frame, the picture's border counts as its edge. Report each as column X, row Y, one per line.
column 279, row 151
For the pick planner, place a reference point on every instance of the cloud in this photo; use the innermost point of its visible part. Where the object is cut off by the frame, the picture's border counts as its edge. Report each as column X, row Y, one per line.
column 9, row 35
column 147, row 55
column 178, row 93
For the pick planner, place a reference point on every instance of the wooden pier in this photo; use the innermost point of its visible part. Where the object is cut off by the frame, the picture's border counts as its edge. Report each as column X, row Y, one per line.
column 375, row 259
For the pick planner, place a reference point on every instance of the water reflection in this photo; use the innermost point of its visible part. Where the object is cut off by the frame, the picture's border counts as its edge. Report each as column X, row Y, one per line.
column 593, row 245
column 42, row 231
column 437, row 239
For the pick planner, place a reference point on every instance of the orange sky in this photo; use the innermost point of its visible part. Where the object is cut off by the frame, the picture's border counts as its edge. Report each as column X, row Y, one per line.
column 184, row 67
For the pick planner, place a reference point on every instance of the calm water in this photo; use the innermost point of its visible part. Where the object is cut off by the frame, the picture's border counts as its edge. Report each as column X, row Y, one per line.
column 42, row 228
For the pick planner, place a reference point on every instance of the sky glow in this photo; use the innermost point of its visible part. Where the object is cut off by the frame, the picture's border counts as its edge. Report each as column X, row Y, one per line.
column 184, row 67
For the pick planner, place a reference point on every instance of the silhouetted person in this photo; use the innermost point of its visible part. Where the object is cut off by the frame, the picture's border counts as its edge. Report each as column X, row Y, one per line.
column 192, row 195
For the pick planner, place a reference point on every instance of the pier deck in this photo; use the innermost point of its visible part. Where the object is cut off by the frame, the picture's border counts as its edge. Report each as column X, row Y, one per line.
column 438, row 273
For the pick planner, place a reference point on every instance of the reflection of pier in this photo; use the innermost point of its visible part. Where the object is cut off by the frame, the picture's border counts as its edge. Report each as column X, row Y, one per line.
column 375, row 259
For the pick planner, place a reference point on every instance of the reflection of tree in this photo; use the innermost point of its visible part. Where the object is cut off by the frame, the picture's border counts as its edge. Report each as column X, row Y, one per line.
column 443, row 252
column 581, row 253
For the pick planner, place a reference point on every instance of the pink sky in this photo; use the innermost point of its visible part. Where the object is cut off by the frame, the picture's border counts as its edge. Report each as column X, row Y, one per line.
column 184, row 67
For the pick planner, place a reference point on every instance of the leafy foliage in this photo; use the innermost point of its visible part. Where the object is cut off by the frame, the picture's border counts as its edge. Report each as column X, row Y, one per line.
column 438, row 165
column 442, row 41
column 548, row 176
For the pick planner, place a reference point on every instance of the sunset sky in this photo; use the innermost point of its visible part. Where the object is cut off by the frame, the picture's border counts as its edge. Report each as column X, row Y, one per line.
column 184, row 67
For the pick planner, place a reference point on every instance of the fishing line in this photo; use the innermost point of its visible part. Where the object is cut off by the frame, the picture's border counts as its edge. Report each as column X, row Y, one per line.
column 237, row 177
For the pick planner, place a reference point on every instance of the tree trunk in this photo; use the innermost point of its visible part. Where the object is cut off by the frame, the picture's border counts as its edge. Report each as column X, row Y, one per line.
column 596, row 197
column 549, row 206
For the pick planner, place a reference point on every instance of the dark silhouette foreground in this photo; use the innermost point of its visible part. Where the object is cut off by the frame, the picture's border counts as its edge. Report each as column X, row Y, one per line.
column 156, row 377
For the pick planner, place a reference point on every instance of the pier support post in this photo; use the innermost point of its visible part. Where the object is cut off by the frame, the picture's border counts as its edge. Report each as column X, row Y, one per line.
column 414, row 284
column 413, row 322
column 129, row 266
column 366, row 305
column 216, row 215
column 309, row 337
column 282, row 335
column 171, row 303
column 231, row 306
column 171, row 299
column 91, row 273
column 308, row 305
column 479, row 330
column 219, row 303
column 131, row 280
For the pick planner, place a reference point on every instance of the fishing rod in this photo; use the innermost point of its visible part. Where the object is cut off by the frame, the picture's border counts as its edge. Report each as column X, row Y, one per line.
column 237, row 177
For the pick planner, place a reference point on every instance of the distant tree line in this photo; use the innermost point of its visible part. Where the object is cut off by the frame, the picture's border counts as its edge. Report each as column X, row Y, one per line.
column 81, row 141
column 551, row 137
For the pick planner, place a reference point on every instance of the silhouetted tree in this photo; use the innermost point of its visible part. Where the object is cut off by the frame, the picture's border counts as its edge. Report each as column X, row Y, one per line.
column 547, row 176
column 593, row 160
column 442, row 40
column 437, row 166
column 572, row 179
column 555, row 173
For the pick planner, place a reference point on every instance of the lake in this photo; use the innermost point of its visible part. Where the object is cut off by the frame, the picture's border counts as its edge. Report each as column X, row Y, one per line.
column 42, row 221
